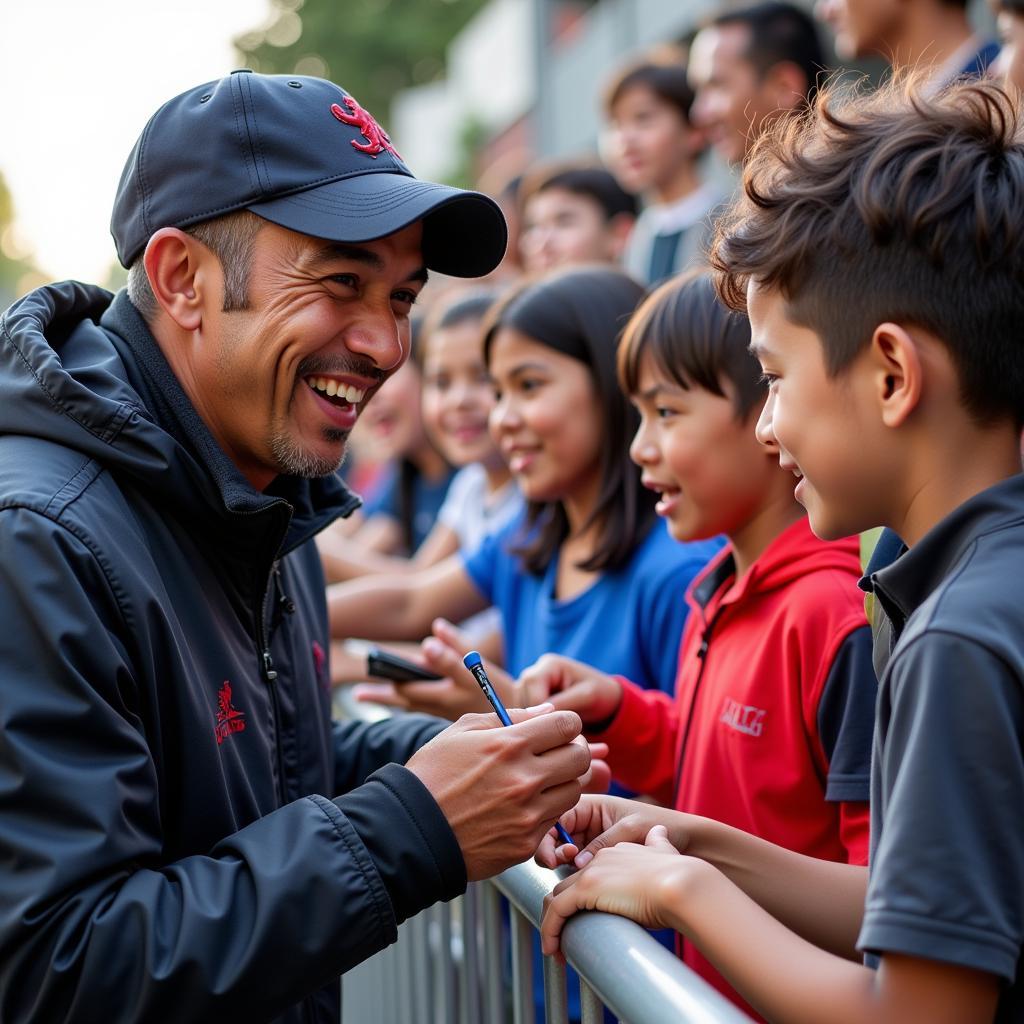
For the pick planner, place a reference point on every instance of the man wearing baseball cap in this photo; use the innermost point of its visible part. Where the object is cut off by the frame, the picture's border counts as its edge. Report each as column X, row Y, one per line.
column 186, row 835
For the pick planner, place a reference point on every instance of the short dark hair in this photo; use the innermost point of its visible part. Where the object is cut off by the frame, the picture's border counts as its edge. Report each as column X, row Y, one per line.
column 694, row 340
column 1011, row 6
column 231, row 237
column 581, row 178
column 580, row 311
column 662, row 71
column 779, row 33
column 894, row 206
column 468, row 305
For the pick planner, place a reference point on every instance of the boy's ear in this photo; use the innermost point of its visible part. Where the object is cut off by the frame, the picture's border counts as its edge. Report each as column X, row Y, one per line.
column 898, row 372
column 180, row 275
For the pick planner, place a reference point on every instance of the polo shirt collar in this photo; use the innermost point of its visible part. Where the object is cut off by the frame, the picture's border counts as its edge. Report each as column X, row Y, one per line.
column 906, row 584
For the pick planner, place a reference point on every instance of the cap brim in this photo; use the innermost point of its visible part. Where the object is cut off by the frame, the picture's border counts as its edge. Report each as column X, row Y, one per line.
column 464, row 233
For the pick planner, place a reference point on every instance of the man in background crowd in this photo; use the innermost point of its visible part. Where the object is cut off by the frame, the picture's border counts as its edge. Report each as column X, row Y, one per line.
column 749, row 65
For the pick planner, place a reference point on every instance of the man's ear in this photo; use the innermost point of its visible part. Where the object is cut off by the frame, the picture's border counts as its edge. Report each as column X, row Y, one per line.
column 180, row 275
column 898, row 372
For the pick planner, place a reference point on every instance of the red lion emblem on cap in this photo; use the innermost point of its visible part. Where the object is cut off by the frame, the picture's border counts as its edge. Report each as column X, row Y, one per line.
column 377, row 139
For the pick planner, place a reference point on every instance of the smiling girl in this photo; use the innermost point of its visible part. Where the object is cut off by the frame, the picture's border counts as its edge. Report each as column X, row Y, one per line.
column 586, row 569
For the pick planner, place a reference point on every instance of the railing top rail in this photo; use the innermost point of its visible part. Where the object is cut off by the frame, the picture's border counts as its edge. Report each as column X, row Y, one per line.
column 636, row 977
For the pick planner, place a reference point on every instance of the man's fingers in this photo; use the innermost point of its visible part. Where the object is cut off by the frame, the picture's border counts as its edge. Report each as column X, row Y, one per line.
column 569, row 763
column 548, row 730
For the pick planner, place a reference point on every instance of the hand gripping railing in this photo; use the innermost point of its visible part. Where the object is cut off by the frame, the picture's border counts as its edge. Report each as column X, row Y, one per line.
column 449, row 966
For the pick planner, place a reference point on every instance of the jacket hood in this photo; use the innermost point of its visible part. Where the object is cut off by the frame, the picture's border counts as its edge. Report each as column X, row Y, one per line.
column 794, row 553
column 71, row 372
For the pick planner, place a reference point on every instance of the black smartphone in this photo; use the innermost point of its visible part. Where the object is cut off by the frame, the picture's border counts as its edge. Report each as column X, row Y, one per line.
column 385, row 665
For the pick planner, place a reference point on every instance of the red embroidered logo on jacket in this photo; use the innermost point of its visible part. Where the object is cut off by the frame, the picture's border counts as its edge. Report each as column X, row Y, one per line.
column 377, row 140
column 229, row 718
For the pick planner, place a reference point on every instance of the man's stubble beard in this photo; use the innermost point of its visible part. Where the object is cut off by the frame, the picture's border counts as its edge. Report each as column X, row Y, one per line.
column 294, row 460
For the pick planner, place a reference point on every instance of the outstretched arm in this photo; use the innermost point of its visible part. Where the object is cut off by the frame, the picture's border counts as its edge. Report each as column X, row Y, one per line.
column 402, row 607
column 787, row 978
column 819, row 900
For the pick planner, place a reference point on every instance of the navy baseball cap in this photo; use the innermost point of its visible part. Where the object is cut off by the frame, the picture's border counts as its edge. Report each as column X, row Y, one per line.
column 302, row 153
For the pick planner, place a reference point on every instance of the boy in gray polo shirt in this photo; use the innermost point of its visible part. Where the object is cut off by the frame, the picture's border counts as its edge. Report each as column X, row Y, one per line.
column 879, row 254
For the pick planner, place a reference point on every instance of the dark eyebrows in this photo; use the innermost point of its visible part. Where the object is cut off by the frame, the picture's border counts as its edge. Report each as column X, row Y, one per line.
column 332, row 251
column 518, row 371
column 661, row 388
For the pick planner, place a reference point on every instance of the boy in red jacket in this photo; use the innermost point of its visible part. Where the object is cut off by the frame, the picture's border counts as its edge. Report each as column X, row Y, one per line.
column 770, row 728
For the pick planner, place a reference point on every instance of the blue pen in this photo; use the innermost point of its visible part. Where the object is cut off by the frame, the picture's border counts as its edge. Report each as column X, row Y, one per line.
column 475, row 664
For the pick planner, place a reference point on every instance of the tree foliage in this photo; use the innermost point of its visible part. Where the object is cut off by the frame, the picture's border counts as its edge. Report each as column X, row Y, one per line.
column 373, row 48
column 17, row 272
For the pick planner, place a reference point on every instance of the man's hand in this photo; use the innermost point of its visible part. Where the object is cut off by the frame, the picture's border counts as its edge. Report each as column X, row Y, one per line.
column 571, row 686
column 502, row 788
column 598, row 822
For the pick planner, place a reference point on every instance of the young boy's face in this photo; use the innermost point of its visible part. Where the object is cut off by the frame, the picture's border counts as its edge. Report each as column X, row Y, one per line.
column 648, row 141
column 561, row 228
column 704, row 461
column 822, row 425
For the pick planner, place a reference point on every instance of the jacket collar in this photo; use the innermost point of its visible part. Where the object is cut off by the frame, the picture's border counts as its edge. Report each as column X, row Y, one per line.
column 906, row 584
column 290, row 511
column 791, row 554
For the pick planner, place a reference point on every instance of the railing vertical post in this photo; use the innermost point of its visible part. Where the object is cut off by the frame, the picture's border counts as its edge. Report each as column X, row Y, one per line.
column 448, row 980
column 494, row 938
column 419, row 939
column 591, row 1007
column 556, row 1007
column 470, row 956
column 522, row 969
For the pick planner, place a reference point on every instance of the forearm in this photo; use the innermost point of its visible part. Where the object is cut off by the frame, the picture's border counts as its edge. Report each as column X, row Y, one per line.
column 791, row 981
column 345, row 559
column 786, row 978
column 377, row 608
column 820, row 900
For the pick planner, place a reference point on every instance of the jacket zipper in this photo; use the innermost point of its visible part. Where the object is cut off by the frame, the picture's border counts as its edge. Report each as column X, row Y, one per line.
column 702, row 655
column 269, row 674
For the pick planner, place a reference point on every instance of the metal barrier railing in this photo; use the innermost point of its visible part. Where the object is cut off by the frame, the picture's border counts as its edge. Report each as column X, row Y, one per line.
column 450, row 965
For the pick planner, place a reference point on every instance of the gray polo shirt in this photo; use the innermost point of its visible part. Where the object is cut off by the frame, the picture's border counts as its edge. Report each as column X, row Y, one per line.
column 946, row 875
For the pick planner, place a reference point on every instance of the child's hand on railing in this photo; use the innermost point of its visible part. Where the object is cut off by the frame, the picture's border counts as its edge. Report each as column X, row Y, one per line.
column 597, row 822
column 641, row 882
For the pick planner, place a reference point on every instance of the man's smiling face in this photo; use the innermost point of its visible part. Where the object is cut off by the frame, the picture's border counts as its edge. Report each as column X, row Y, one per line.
column 281, row 383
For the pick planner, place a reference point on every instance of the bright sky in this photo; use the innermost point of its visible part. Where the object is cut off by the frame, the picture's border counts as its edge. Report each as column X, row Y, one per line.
column 78, row 81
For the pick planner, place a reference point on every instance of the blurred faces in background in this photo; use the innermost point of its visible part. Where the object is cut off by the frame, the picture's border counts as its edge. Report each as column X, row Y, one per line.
column 573, row 212
column 1009, row 66
column 649, row 143
column 747, row 65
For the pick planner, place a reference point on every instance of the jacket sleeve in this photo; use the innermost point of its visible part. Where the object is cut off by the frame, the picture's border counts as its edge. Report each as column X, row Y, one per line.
column 360, row 748
column 642, row 740
column 93, row 918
